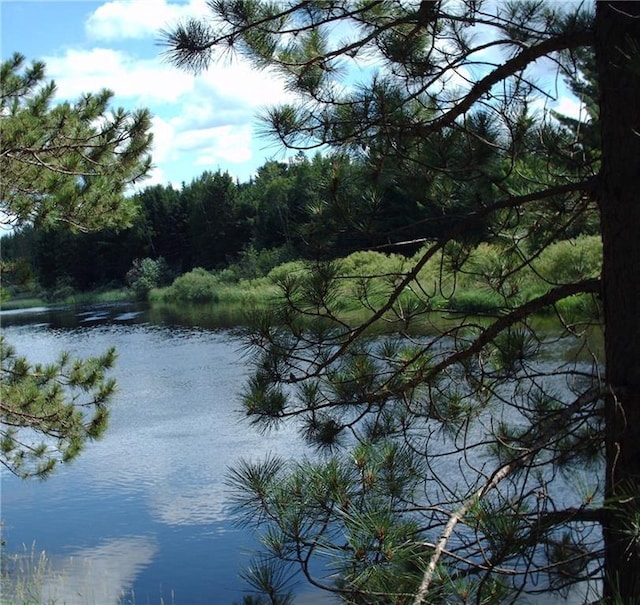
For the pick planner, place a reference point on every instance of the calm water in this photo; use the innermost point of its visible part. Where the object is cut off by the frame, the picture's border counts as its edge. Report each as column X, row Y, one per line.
column 142, row 515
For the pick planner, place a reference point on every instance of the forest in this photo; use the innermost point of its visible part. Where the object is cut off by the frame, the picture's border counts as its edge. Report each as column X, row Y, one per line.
column 447, row 447
column 285, row 212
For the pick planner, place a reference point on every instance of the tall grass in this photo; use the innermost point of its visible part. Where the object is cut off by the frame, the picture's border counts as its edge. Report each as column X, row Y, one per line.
column 203, row 287
column 22, row 577
column 30, row 577
column 99, row 296
column 13, row 304
column 471, row 281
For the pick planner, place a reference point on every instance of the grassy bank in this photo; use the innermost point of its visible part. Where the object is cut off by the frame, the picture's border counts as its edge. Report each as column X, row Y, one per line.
column 70, row 299
column 477, row 281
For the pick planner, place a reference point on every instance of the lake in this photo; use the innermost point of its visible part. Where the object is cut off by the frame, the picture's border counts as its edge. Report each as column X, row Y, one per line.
column 142, row 516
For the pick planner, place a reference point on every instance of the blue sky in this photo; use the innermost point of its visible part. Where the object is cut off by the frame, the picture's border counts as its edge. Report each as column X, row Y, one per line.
column 204, row 122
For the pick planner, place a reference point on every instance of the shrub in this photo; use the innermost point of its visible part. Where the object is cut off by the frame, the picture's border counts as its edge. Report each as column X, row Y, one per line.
column 277, row 274
column 580, row 305
column 63, row 290
column 367, row 262
column 197, row 286
column 254, row 264
column 571, row 260
column 146, row 274
column 475, row 301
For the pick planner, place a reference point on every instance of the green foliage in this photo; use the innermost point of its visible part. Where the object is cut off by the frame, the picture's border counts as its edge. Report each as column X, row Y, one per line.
column 147, row 274
column 49, row 411
column 161, row 230
column 282, row 272
column 444, row 448
column 63, row 165
column 363, row 491
column 369, row 263
column 62, row 290
column 66, row 163
column 254, row 264
column 495, row 277
column 197, row 286
column 215, row 230
column 475, row 302
column 562, row 261
column 364, row 280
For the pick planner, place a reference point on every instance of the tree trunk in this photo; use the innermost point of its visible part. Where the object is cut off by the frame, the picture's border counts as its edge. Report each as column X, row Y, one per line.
column 617, row 29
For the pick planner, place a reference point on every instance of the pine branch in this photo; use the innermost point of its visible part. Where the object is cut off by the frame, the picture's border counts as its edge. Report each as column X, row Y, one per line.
column 536, row 304
column 499, row 475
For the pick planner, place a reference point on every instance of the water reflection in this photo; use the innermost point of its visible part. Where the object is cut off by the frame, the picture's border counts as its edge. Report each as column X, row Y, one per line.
column 102, row 574
column 159, row 474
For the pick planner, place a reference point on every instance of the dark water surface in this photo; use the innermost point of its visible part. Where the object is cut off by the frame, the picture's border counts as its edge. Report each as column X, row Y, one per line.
column 142, row 515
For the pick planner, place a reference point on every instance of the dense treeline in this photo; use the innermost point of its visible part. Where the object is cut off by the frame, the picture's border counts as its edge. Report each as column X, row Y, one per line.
column 320, row 207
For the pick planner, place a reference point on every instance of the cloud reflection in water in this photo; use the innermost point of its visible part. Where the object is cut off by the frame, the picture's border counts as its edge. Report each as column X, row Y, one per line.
column 98, row 575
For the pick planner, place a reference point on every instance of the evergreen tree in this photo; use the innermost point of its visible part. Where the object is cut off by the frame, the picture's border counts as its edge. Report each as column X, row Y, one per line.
column 450, row 454
column 62, row 164
column 216, row 226
column 66, row 163
column 163, row 225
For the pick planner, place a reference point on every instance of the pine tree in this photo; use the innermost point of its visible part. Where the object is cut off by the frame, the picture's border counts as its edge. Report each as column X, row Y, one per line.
column 66, row 164
column 63, row 165
column 450, row 456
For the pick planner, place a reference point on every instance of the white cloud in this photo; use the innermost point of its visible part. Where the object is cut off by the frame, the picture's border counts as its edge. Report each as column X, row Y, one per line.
column 120, row 19
column 239, row 80
column 212, row 147
column 235, row 86
column 155, row 176
column 198, row 121
column 571, row 107
column 81, row 71
column 208, row 118
column 228, row 145
column 163, row 136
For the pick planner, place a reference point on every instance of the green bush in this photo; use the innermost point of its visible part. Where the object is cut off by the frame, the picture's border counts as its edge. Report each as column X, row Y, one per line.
column 254, row 264
column 63, row 290
column 475, row 301
column 197, row 286
column 580, row 305
column 571, row 260
column 146, row 274
column 483, row 283
column 367, row 262
column 277, row 274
